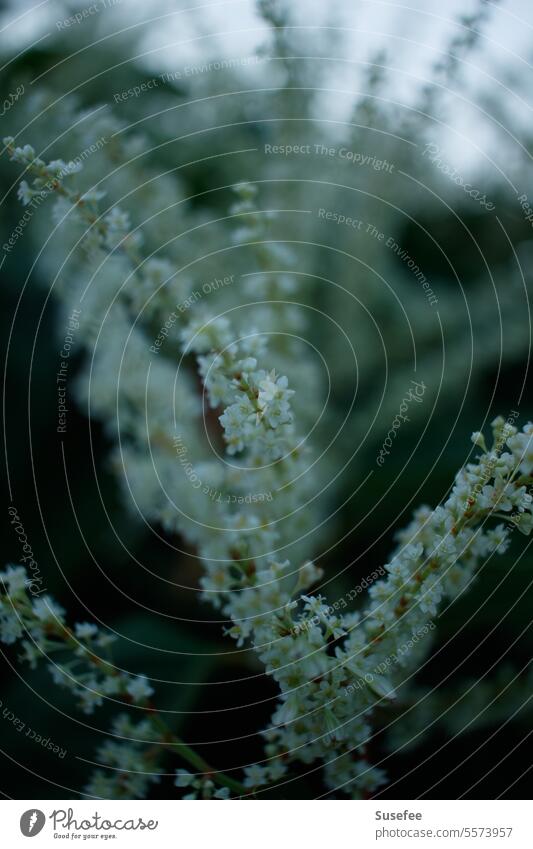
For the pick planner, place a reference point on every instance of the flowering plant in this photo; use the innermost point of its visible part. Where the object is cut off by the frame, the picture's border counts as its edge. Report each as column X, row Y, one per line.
column 334, row 668
column 231, row 375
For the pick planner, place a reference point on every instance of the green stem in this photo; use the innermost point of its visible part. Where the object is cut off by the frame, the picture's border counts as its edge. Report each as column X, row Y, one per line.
column 177, row 746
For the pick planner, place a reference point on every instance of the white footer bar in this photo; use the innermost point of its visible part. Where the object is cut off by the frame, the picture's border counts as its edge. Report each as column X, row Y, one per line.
column 266, row 824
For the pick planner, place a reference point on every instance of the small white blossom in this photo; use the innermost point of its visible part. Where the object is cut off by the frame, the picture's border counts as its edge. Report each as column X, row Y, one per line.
column 139, row 689
column 47, row 610
column 85, row 630
column 15, row 578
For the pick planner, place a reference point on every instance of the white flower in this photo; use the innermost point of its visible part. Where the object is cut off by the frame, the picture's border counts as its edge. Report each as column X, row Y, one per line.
column 24, row 193
column 139, row 688
column 478, row 439
column 184, row 778
column 202, row 335
column 521, row 446
column 10, row 628
column 60, row 676
column 255, row 776
column 85, row 630
column 204, row 787
column 24, row 154
column 112, row 685
column 105, row 639
column 30, row 654
column 498, row 539
column 16, row 579
column 268, row 389
column 92, row 195
column 273, row 399
column 222, row 793
column 246, row 191
column 118, row 220
column 61, row 209
column 90, row 697
column 47, row 610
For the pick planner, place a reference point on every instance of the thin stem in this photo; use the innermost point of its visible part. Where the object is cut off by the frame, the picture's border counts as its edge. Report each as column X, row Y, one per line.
column 173, row 743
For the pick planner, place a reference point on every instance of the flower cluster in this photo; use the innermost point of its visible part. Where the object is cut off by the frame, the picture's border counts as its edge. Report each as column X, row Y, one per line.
column 201, row 788
column 47, row 177
column 39, row 625
column 131, row 758
column 251, row 552
column 436, row 558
